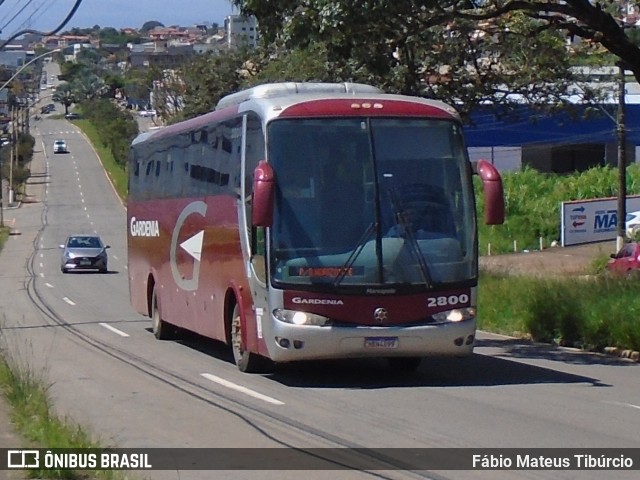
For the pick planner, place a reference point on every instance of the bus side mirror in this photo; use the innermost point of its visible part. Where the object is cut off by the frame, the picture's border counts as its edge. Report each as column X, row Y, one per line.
column 264, row 187
column 493, row 192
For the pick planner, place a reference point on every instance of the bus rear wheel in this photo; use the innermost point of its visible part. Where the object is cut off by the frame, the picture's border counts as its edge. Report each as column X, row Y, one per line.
column 246, row 361
column 404, row 364
column 161, row 329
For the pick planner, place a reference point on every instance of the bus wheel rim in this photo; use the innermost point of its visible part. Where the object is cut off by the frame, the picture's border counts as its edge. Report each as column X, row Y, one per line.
column 236, row 336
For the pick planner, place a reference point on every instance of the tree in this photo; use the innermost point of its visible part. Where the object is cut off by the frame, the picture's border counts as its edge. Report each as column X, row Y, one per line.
column 150, row 25
column 88, row 87
column 65, row 95
column 300, row 64
column 168, row 94
column 210, row 77
column 462, row 51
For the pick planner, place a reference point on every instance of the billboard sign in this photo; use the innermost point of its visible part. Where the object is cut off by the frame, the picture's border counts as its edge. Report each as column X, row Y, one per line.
column 593, row 220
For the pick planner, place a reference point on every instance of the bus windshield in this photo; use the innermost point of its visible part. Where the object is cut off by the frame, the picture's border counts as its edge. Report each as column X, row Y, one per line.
column 370, row 202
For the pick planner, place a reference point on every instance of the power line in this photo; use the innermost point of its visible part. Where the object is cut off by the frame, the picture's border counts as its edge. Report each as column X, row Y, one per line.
column 39, row 11
column 15, row 15
column 38, row 32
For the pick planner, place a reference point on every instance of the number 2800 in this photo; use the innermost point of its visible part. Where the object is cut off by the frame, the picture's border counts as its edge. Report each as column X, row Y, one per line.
column 448, row 300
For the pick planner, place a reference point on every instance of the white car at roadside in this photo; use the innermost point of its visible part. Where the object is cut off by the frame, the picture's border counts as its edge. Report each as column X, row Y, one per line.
column 59, row 146
column 147, row 113
column 632, row 223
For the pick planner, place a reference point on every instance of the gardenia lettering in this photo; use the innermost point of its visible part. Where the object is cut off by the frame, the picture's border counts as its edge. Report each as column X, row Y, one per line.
column 144, row 228
column 317, row 301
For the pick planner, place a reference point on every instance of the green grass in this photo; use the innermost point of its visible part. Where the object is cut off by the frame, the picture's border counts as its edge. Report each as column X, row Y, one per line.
column 590, row 313
column 116, row 173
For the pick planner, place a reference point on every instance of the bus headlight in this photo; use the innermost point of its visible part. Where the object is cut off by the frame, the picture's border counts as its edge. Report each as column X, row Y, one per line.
column 299, row 318
column 455, row 315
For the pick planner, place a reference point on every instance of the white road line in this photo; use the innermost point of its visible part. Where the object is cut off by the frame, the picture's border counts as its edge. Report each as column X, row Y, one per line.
column 70, row 302
column 622, row 404
column 48, row 285
column 114, row 330
column 241, row 389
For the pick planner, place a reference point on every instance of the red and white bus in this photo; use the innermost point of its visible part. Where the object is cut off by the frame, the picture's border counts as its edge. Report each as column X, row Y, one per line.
column 304, row 221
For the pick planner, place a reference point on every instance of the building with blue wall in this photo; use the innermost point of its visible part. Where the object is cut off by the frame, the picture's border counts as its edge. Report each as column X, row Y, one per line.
column 559, row 143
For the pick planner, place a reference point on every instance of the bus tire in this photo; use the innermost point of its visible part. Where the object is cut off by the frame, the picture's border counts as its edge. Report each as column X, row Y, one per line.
column 404, row 364
column 161, row 329
column 247, row 362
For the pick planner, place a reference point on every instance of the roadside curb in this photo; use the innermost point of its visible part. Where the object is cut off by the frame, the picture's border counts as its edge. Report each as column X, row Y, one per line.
column 632, row 355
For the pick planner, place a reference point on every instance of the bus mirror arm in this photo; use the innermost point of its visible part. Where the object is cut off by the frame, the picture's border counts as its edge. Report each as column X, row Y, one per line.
column 493, row 192
column 264, row 187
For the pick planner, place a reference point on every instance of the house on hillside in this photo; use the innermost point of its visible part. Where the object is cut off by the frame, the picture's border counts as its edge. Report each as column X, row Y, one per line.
column 147, row 55
column 241, row 31
column 13, row 59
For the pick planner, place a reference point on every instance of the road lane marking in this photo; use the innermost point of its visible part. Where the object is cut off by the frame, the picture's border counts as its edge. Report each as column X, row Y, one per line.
column 622, row 404
column 241, row 389
column 113, row 329
column 48, row 285
column 70, row 302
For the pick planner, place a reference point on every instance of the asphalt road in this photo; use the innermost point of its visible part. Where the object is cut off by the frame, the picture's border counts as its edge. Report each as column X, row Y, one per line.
column 108, row 372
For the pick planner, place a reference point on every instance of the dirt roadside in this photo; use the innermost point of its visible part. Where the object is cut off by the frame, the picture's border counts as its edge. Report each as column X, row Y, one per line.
column 561, row 261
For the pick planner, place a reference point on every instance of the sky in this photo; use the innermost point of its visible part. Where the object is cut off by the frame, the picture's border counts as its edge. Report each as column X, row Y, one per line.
column 46, row 15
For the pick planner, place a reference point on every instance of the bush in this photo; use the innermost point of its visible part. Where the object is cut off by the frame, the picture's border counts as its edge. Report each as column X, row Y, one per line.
column 586, row 313
column 117, row 128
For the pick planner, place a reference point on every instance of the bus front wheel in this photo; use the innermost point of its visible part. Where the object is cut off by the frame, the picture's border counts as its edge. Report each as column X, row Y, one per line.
column 246, row 361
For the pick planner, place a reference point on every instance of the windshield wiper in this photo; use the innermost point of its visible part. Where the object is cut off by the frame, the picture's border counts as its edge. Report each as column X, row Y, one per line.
column 408, row 234
column 354, row 254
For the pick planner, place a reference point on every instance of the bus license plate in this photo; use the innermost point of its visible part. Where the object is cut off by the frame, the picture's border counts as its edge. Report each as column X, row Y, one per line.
column 381, row 342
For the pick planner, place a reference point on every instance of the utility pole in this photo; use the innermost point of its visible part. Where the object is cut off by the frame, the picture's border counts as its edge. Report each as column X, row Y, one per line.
column 13, row 152
column 622, row 158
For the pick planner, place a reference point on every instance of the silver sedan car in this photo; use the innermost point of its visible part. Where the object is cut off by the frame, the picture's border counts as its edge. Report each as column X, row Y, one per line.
column 84, row 252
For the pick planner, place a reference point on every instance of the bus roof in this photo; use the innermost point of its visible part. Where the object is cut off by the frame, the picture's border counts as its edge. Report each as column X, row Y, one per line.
column 294, row 98
column 281, row 89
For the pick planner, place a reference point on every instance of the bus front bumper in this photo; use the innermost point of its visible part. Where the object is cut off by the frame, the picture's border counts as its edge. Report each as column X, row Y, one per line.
column 288, row 343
